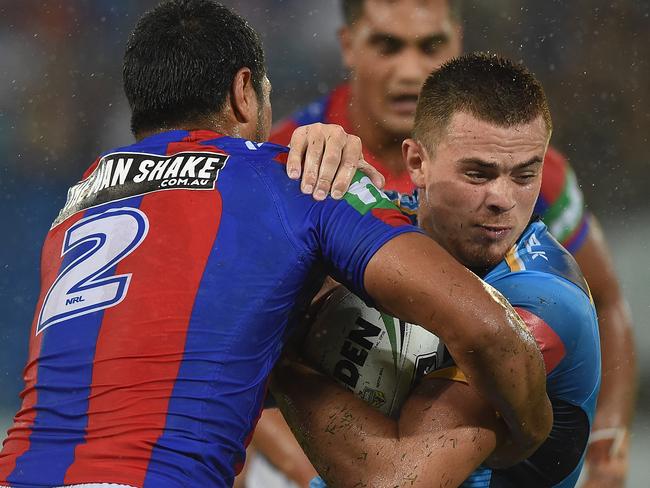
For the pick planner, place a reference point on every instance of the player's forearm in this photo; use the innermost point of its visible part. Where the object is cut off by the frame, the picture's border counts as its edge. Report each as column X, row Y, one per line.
column 511, row 374
column 444, row 432
column 484, row 334
column 343, row 438
column 619, row 375
column 618, row 384
column 607, row 455
column 275, row 441
column 505, row 366
column 608, row 451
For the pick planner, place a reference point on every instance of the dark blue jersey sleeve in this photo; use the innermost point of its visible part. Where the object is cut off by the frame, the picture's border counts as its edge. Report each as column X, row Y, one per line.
column 343, row 234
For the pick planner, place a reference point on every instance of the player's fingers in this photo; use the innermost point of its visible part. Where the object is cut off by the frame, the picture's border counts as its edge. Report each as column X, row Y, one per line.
column 351, row 158
column 371, row 172
column 313, row 155
column 297, row 149
column 335, row 141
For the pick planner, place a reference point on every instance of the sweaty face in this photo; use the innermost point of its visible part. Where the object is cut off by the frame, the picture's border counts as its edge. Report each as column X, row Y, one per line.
column 480, row 187
column 390, row 50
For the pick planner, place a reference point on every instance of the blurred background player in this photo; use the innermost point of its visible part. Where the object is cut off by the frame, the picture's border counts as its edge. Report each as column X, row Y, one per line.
column 389, row 48
column 163, row 306
column 481, row 130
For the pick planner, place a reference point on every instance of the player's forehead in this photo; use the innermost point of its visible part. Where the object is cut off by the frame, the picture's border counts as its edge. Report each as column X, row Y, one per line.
column 406, row 19
column 467, row 137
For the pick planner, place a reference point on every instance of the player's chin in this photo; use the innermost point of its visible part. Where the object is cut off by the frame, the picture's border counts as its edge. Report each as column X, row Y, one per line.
column 399, row 124
column 485, row 257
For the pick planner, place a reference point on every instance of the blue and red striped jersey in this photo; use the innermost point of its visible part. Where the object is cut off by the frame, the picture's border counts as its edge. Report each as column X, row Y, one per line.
column 168, row 286
column 560, row 204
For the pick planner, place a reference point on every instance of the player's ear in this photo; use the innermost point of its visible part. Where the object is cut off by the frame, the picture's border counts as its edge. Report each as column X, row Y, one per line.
column 345, row 39
column 414, row 155
column 243, row 98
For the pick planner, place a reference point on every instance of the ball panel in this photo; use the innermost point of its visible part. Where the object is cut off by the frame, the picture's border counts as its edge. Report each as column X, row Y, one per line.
column 376, row 356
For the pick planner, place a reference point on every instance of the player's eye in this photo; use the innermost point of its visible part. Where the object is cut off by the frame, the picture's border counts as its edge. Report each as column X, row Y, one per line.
column 431, row 46
column 476, row 176
column 388, row 46
column 525, row 178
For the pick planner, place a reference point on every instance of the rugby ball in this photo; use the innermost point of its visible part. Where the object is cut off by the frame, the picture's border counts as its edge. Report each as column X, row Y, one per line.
column 376, row 356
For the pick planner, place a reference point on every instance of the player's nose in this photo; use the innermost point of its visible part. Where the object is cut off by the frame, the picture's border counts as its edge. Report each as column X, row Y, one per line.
column 412, row 66
column 500, row 196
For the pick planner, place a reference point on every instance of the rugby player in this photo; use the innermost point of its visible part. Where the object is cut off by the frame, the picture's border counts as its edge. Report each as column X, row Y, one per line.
column 171, row 275
column 481, row 130
column 390, row 47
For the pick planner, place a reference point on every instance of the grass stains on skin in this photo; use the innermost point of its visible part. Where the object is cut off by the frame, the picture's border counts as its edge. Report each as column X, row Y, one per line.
column 411, row 478
column 445, row 480
column 477, row 431
column 341, row 420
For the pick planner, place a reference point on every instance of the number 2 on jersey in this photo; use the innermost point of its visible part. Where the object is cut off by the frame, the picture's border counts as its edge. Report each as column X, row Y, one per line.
column 86, row 284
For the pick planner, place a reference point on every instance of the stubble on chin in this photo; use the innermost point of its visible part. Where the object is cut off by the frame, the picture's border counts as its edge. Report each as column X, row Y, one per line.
column 480, row 259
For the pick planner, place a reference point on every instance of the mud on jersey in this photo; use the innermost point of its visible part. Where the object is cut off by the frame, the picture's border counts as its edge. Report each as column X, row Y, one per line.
column 168, row 283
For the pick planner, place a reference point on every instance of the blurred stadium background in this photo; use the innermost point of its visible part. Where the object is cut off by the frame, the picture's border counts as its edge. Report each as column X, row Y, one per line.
column 61, row 102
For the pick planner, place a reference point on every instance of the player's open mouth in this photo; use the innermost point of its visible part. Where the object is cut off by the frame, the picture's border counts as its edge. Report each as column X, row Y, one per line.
column 404, row 104
column 495, row 232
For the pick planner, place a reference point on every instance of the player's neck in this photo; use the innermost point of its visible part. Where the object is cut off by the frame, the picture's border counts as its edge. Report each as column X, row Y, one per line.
column 384, row 146
column 426, row 224
column 214, row 122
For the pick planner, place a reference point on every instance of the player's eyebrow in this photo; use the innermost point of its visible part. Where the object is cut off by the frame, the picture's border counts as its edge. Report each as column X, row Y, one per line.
column 532, row 161
column 491, row 164
column 477, row 162
column 383, row 37
column 434, row 40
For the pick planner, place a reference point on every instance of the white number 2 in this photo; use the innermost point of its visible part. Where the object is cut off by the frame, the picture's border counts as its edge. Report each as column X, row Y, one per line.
column 85, row 285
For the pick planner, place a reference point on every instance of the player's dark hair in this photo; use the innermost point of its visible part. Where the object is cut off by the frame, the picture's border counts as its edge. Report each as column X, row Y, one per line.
column 353, row 9
column 487, row 86
column 181, row 59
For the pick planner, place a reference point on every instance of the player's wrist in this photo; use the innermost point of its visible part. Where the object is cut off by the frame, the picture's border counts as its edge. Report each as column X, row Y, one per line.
column 608, row 443
column 317, row 482
column 607, row 455
column 302, row 475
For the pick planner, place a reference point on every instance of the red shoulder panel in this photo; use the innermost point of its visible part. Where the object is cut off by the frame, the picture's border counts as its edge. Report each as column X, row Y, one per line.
column 548, row 341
